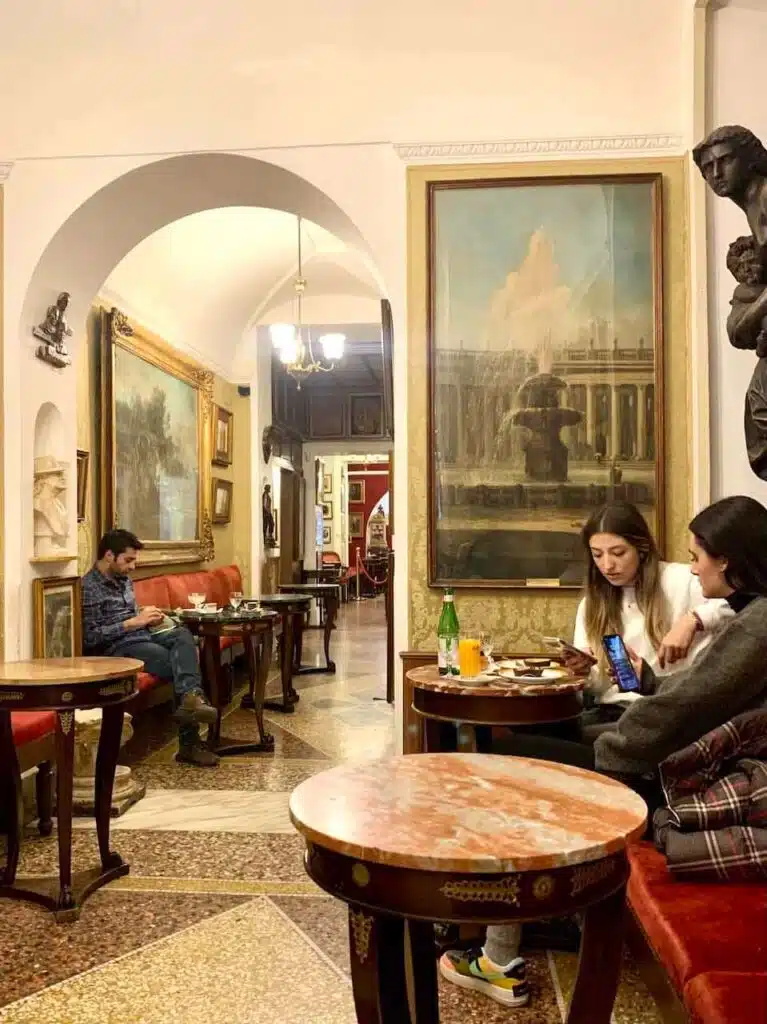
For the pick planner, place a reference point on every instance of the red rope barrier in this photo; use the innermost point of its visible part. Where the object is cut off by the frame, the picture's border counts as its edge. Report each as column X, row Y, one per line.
column 375, row 582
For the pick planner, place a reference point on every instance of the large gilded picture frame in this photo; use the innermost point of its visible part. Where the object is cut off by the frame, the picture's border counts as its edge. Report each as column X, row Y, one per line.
column 156, row 431
column 545, row 356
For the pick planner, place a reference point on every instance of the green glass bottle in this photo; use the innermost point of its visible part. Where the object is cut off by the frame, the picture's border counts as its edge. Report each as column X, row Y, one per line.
column 447, row 637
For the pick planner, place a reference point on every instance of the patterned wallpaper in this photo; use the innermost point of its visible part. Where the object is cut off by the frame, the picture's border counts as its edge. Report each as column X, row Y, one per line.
column 515, row 616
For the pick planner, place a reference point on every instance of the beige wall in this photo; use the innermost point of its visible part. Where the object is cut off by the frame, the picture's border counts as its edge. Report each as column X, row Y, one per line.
column 516, row 616
column 232, row 540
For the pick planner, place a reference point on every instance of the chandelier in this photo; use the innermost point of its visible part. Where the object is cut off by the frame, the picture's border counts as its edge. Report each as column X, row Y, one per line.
column 293, row 342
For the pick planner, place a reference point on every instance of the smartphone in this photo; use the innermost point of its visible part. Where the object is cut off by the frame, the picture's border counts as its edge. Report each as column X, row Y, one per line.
column 618, row 656
column 556, row 643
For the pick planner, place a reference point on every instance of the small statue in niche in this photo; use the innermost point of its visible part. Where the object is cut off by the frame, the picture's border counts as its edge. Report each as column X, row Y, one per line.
column 50, row 507
column 53, row 331
column 268, row 516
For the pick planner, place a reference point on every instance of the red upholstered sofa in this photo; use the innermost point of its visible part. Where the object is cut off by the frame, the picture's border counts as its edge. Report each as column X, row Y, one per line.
column 171, row 592
column 34, row 739
column 710, row 938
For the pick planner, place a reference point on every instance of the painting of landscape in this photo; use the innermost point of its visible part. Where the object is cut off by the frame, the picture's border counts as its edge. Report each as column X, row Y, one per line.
column 545, row 371
column 156, row 459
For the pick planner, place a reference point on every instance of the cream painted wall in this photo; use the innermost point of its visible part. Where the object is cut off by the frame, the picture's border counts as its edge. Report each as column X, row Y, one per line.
column 738, row 43
column 439, row 85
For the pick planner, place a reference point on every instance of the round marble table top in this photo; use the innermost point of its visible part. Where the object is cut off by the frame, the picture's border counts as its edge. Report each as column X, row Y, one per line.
column 305, row 587
column 285, row 598
column 467, row 813
column 428, row 678
column 66, row 670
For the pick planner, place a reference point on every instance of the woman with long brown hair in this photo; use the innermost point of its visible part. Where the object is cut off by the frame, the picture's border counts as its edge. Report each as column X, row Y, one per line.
column 657, row 607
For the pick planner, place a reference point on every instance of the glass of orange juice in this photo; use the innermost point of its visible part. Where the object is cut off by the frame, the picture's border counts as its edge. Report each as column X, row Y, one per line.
column 469, row 659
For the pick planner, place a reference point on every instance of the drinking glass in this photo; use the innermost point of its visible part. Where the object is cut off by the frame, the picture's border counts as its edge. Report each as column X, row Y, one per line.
column 486, row 647
column 198, row 600
column 235, row 599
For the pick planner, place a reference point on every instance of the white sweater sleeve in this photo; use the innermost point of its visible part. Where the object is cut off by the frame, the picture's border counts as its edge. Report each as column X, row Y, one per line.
column 713, row 613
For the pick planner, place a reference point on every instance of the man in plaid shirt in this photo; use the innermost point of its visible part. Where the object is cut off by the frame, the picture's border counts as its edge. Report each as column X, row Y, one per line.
column 113, row 625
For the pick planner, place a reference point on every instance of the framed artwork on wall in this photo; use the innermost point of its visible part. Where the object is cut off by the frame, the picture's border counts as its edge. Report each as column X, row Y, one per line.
column 366, row 416
column 83, row 461
column 545, row 370
column 356, row 521
column 327, row 483
column 356, row 492
column 222, row 500
column 325, row 535
column 57, row 617
column 327, row 510
column 156, row 416
column 222, row 437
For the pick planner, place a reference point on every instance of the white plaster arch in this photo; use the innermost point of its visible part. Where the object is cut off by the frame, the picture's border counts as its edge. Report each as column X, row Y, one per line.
column 103, row 229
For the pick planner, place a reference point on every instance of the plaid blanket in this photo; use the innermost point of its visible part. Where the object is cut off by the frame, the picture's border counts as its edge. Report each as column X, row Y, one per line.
column 715, row 824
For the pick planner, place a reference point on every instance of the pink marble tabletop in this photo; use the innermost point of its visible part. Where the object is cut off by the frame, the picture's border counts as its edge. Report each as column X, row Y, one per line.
column 428, row 678
column 467, row 813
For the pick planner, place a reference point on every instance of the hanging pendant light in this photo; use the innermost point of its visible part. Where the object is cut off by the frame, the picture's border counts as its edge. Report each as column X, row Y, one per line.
column 293, row 342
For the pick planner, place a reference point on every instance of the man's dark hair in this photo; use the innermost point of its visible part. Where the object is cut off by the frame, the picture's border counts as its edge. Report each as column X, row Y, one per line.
column 118, row 542
column 742, row 140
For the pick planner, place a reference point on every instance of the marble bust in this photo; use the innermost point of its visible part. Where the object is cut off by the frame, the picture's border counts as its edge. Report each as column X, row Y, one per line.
column 50, row 507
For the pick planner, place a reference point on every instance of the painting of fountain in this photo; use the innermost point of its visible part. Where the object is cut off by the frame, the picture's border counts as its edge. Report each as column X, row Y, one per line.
column 544, row 417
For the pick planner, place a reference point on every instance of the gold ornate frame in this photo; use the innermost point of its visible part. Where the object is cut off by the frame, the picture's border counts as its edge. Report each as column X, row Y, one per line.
column 118, row 330
column 39, row 589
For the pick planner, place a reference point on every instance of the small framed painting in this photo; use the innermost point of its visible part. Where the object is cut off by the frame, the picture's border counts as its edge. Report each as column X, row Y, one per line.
column 327, row 510
column 57, row 617
column 355, row 525
column 83, row 460
column 356, row 492
column 325, row 535
column 327, row 483
column 222, row 500
column 222, row 437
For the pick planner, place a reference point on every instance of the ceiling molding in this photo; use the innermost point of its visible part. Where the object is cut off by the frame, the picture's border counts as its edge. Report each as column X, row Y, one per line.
column 428, row 152
column 5, row 170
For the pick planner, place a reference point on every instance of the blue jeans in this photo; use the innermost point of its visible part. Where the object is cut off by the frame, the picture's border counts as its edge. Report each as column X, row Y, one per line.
column 172, row 657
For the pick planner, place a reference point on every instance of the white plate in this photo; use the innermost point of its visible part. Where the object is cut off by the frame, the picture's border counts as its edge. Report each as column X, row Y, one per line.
column 547, row 674
column 480, row 680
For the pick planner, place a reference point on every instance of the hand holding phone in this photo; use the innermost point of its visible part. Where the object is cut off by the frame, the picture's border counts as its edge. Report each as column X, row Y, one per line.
column 625, row 674
column 573, row 658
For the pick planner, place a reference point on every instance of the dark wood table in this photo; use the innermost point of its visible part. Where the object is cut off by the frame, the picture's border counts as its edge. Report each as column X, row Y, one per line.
column 329, row 595
column 441, row 700
column 64, row 685
column 467, row 838
column 256, row 632
column 291, row 608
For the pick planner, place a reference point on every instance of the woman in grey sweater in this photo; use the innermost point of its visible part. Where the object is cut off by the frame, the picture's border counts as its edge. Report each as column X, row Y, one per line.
column 728, row 548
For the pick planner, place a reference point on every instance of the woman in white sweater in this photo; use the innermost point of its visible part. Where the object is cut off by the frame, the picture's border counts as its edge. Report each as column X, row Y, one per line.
column 657, row 607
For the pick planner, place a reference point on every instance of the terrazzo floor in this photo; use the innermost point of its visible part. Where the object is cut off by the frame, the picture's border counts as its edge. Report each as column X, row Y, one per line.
column 217, row 919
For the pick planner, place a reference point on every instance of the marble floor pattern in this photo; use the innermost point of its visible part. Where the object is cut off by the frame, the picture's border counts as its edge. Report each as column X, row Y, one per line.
column 217, row 919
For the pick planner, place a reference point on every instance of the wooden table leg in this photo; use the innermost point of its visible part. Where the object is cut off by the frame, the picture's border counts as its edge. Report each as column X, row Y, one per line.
column 65, row 762
column 599, row 963
column 106, row 764
column 298, row 640
column 289, row 695
column 377, row 948
column 331, row 611
column 212, row 668
column 13, row 808
column 258, row 651
column 423, row 975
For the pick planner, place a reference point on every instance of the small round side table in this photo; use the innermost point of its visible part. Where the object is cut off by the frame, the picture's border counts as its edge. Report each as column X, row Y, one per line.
column 65, row 685
column 467, row 839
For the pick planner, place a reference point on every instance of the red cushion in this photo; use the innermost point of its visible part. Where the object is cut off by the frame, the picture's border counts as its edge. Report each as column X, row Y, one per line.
column 182, row 584
column 728, row 997
column 31, row 725
column 146, row 681
column 695, row 927
column 153, row 591
column 229, row 579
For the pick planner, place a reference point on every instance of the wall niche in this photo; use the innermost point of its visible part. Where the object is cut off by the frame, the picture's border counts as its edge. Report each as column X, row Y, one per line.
column 50, row 495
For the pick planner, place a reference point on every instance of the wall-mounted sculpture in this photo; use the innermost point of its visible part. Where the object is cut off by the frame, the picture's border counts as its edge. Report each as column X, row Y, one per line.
column 53, row 332
column 50, row 507
column 733, row 163
column 267, row 513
